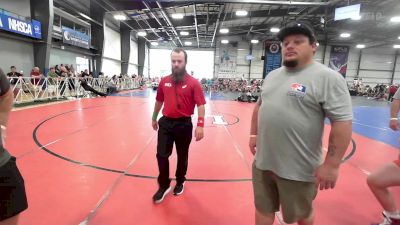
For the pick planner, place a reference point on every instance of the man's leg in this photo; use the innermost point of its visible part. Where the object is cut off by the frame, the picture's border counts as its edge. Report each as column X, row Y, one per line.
column 183, row 137
column 387, row 176
column 264, row 218
column 10, row 221
column 307, row 221
column 164, row 150
column 266, row 197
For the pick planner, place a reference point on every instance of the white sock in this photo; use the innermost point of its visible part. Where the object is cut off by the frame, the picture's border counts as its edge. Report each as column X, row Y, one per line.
column 394, row 215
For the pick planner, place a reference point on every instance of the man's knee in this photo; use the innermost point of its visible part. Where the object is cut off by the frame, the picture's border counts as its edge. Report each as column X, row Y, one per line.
column 263, row 218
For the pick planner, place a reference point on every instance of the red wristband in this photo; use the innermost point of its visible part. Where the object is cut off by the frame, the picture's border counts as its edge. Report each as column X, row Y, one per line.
column 200, row 122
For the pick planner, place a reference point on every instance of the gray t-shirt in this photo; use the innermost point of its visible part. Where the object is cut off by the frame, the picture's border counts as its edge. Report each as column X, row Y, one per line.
column 397, row 95
column 294, row 105
column 4, row 87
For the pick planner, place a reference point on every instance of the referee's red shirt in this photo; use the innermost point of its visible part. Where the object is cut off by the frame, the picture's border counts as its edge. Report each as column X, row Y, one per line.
column 180, row 99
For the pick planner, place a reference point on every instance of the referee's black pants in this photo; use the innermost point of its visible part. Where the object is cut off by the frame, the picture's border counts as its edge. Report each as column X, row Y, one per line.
column 170, row 131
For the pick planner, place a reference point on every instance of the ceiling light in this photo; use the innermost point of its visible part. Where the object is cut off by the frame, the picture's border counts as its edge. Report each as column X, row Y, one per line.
column 241, row 49
column 177, row 16
column 188, row 43
column 275, row 30
column 154, row 43
column 254, row 41
column 396, row 46
column 399, row 37
column 142, row 33
column 241, row 13
column 224, row 41
column 184, row 33
column 345, row 35
column 395, row 19
column 356, row 18
column 317, row 44
column 224, row 30
column 120, row 17
column 360, row 46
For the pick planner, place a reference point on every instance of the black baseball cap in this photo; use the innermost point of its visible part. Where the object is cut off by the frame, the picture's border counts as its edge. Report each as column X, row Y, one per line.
column 297, row 28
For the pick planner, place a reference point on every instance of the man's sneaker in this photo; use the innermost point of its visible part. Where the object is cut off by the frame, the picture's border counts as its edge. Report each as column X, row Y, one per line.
column 388, row 221
column 178, row 190
column 159, row 196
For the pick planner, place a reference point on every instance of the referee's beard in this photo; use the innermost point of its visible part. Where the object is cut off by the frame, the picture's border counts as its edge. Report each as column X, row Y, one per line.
column 177, row 74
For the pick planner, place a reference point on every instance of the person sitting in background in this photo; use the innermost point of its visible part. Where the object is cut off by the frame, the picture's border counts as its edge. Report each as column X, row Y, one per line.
column 36, row 76
column 392, row 90
column 15, row 74
column 85, row 73
column 52, row 79
column 87, row 87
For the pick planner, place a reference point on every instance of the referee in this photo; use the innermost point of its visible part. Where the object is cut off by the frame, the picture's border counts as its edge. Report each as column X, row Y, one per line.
column 179, row 93
column 12, row 189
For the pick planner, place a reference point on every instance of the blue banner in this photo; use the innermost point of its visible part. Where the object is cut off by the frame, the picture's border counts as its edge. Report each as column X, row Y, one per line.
column 76, row 38
column 338, row 60
column 27, row 28
column 273, row 57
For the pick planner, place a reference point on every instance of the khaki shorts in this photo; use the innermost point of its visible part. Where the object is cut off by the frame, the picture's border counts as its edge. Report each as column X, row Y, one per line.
column 271, row 192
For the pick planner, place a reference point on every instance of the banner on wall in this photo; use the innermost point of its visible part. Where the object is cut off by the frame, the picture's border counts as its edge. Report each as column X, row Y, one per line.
column 273, row 57
column 75, row 38
column 31, row 28
column 227, row 62
column 338, row 59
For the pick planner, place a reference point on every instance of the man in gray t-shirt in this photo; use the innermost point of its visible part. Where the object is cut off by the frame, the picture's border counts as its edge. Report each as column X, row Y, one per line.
column 287, row 129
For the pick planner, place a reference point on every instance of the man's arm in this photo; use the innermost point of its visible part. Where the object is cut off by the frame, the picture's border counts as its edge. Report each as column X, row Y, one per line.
column 339, row 140
column 254, row 128
column 6, row 104
column 199, row 132
column 394, row 111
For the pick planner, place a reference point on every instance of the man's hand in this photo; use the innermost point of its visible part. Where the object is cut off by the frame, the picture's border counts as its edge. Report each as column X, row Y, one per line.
column 199, row 133
column 253, row 144
column 326, row 176
column 154, row 124
column 394, row 125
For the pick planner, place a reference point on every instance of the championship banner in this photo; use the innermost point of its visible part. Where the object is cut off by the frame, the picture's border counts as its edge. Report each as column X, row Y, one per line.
column 227, row 63
column 338, row 59
column 273, row 57
column 76, row 38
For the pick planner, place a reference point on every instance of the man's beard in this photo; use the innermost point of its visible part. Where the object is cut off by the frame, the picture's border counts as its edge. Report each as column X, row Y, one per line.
column 291, row 63
column 177, row 74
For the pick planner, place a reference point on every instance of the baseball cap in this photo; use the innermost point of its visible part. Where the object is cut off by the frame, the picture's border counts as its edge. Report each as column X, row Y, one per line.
column 297, row 28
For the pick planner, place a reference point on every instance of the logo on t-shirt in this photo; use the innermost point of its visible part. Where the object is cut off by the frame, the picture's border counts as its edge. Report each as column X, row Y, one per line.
column 298, row 87
column 168, row 85
column 184, row 86
column 297, row 90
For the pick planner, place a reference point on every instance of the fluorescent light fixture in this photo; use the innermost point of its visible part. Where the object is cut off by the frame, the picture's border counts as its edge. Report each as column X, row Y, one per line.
column 275, row 30
column 389, row 62
column 396, row 46
column 141, row 33
column 154, row 43
column 241, row 13
column 85, row 16
column 224, row 41
column 241, row 49
column 177, row 16
column 395, row 19
column 184, row 33
column 120, row 17
column 254, row 41
column 224, row 30
column 360, row 46
column 345, row 35
column 356, row 18
column 188, row 43
column 398, row 37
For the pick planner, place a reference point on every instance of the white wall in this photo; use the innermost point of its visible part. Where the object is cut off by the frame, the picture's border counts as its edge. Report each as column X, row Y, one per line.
column 20, row 7
column 59, row 56
column 111, row 67
column 133, row 58
column 16, row 53
column 112, row 43
column 376, row 63
column 199, row 61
